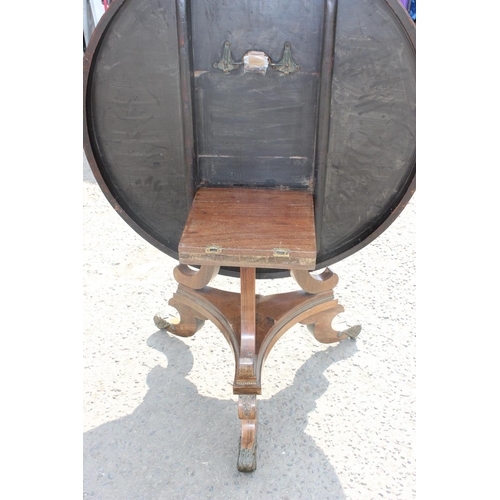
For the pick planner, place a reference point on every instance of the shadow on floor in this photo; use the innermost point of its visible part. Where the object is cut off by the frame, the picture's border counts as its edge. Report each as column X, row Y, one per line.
column 179, row 444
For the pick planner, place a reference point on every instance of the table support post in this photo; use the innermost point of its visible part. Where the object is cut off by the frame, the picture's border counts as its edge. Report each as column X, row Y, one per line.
column 246, row 363
column 247, row 404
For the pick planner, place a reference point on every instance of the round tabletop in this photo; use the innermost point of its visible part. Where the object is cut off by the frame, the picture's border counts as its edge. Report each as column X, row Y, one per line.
column 291, row 95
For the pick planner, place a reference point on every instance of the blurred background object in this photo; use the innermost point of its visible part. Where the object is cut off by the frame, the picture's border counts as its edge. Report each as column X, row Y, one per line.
column 411, row 7
column 92, row 12
column 94, row 9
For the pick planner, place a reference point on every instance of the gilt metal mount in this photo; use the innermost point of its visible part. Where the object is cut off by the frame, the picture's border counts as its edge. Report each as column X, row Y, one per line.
column 226, row 62
column 286, row 65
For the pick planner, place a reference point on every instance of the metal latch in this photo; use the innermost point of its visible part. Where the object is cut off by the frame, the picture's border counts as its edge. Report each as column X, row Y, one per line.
column 213, row 249
column 281, row 252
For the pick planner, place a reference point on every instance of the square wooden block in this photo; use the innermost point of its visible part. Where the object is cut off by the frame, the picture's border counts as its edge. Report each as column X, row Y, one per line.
column 244, row 227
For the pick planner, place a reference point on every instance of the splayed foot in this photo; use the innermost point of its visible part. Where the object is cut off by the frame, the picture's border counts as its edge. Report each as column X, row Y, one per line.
column 247, row 460
column 352, row 332
column 161, row 322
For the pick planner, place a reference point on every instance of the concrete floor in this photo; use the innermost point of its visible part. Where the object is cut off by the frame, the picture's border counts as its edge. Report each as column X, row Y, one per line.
column 160, row 419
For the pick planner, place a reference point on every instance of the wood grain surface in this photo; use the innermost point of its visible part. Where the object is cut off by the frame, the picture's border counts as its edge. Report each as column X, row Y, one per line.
column 248, row 227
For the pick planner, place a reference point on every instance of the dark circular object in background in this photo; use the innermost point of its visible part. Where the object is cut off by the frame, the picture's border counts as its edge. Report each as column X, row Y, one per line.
column 161, row 118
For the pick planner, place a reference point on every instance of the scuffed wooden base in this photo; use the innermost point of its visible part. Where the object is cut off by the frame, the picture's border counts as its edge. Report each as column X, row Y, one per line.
column 252, row 324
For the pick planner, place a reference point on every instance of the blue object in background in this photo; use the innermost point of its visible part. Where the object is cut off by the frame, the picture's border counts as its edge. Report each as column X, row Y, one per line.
column 413, row 9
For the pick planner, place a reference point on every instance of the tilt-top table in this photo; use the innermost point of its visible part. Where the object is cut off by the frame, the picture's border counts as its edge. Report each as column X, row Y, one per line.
column 250, row 228
column 254, row 139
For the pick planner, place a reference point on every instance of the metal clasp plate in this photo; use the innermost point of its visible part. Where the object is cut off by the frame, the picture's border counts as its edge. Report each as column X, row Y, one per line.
column 213, row 249
column 256, row 60
column 281, row 252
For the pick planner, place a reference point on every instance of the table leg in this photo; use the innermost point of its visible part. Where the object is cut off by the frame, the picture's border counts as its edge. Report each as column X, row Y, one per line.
column 247, row 404
column 246, row 362
column 247, row 412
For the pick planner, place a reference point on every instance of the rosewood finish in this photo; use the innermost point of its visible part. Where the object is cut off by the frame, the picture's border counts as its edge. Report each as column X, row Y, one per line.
column 257, row 227
column 257, row 140
column 249, row 223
